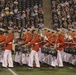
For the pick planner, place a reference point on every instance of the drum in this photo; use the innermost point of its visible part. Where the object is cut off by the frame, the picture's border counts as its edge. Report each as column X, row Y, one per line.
column 18, row 48
column 52, row 51
column 44, row 50
column 66, row 49
column 49, row 50
column 70, row 50
column 23, row 49
column 1, row 48
column 26, row 49
column 73, row 50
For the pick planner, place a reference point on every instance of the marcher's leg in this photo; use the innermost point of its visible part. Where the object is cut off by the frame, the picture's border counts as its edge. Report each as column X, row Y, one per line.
column 31, row 58
column 10, row 60
column 37, row 60
column 59, row 58
column 4, row 63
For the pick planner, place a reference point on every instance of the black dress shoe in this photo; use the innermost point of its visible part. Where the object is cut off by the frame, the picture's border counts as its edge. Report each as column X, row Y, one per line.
column 60, row 66
column 38, row 67
column 53, row 66
column 3, row 67
column 29, row 67
column 10, row 67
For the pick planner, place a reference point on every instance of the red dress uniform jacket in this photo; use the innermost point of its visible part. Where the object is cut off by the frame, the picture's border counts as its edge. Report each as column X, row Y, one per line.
column 46, row 34
column 35, row 43
column 28, row 38
column 9, row 41
column 41, row 41
column 60, row 41
column 54, row 40
column 2, row 38
column 49, row 39
column 74, row 40
column 24, row 38
column 73, row 36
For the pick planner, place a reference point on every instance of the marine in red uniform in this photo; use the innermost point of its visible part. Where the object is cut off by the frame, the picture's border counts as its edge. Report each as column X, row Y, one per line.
column 54, row 39
column 24, row 38
column 24, row 35
column 2, row 38
column 28, row 37
column 20, row 56
column 53, row 44
column 35, row 49
column 73, row 38
column 46, row 37
column 60, row 44
column 60, row 41
column 49, row 39
column 7, row 53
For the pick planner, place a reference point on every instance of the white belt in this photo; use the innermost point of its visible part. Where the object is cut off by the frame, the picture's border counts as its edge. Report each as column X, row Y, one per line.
column 36, row 43
column 10, row 43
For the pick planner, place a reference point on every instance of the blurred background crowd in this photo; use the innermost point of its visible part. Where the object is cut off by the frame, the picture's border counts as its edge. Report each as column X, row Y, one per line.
column 29, row 14
column 21, row 13
column 63, row 13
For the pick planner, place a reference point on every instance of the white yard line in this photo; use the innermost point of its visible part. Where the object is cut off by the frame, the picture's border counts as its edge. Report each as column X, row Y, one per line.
column 70, row 67
column 12, row 71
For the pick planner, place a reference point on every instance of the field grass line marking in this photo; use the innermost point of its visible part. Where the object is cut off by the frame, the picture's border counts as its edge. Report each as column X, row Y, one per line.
column 70, row 67
column 12, row 71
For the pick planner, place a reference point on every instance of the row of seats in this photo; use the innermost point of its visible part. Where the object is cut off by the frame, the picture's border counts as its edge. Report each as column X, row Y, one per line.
column 23, row 4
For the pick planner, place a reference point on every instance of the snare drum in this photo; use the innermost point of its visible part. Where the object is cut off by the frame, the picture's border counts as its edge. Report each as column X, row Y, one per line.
column 70, row 50
column 26, row 49
column 18, row 48
column 52, row 51
column 49, row 50
column 74, row 50
column 44, row 50
column 1, row 48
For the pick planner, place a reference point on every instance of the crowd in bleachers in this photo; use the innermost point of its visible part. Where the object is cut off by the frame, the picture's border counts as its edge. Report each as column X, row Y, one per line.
column 21, row 13
column 63, row 13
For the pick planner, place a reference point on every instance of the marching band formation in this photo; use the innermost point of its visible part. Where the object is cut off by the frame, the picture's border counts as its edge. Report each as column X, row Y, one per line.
column 38, row 45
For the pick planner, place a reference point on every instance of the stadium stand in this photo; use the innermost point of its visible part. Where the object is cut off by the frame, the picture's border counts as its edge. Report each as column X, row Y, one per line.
column 63, row 13
column 21, row 13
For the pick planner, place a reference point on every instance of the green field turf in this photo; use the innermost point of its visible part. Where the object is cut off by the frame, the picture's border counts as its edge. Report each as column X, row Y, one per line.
column 44, row 70
column 22, row 70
